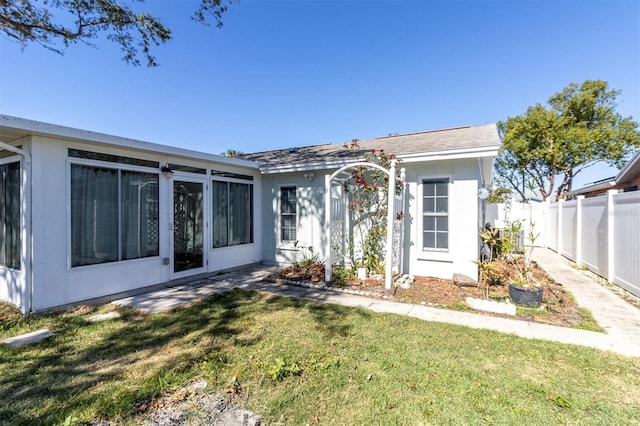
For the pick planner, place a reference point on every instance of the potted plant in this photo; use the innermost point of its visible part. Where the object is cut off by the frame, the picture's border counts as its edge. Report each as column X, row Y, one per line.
column 524, row 290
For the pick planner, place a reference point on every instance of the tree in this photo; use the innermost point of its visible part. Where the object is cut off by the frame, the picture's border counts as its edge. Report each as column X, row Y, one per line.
column 231, row 153
column 578, row 128
column 54, row 22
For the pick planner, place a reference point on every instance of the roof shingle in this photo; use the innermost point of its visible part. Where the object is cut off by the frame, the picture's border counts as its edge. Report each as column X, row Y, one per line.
column 467, row 137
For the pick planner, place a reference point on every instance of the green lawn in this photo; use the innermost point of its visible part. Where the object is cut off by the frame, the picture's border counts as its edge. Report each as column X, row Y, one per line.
column 299, row 362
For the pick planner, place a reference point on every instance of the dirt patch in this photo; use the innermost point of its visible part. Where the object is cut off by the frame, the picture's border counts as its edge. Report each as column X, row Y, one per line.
column 559, row 306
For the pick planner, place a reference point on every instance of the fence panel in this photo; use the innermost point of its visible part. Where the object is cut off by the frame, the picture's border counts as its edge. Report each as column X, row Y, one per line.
column 569, row 220
column 626, row 241
column 552, row 227
column 594, row 234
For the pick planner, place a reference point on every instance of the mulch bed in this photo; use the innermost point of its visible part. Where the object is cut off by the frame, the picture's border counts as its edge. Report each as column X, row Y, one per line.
column 559, row 307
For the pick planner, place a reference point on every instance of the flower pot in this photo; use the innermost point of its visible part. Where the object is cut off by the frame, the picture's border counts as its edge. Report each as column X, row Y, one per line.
column 362, row 273
column 526, row 296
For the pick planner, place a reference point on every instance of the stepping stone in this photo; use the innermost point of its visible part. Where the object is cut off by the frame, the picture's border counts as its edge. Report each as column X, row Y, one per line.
column 491, row 306
column 104, row 317
column 28, row 338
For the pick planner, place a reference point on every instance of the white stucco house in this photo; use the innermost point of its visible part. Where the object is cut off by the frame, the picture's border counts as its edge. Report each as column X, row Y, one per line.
column 85, row 215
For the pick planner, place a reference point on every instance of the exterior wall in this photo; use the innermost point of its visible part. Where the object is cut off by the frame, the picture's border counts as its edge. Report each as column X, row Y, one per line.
column 464, row 210
column 310, row 217
column 56, row 283
column 463, row 223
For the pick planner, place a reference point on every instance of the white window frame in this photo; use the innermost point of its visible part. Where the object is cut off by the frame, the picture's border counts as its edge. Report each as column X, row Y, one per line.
column 114, row 166
column 9, row 160
column 281, row 242
column 430, row 253
column 251, row 210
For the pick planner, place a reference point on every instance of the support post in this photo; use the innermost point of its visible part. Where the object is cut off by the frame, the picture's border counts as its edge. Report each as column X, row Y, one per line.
column 610, row 225
column 327, row 228
column 559, row 227
column 579, row 200
column 391, row 196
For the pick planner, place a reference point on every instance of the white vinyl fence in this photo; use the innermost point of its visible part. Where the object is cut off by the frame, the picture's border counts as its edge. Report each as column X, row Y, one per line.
column 601, row 233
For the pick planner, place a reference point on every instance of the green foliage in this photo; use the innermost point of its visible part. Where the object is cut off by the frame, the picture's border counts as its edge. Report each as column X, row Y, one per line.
column 282, row 368
column 500, row 195
column 45, row 23
column 369, row 188
column 578, row 128
column 340, row 275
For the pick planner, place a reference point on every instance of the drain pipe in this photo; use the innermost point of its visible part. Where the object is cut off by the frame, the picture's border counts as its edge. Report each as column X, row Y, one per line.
column 27, row 194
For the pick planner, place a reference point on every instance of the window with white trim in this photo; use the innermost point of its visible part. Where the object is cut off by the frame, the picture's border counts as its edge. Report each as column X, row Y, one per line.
column 114, row 214
column 232, row 213
column 435, row 214
column 288, row 213
column 10, row 215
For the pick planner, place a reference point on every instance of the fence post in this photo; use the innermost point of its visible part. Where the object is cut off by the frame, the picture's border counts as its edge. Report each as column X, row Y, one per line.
column 578, row 231
column 547, row 203
column 610, row 225
column 559, row 227
column 327, row 227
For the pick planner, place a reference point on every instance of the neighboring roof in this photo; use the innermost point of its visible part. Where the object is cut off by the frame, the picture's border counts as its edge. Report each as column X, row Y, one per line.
column 628, row 172
column 458, row 142
column 13, row 128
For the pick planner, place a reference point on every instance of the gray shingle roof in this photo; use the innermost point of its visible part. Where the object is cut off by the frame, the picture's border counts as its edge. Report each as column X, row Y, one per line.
column 412, row 143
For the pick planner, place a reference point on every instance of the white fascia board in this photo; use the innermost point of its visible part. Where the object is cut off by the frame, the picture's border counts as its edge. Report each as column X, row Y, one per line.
column 38, row 128
column 454, row 154
column 491, row 151
column 320, row 165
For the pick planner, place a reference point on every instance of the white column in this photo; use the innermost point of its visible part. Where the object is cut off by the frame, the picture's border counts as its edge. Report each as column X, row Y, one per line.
column 579, row 199
column 391, row 196
column 327, row 228
column 610, row 225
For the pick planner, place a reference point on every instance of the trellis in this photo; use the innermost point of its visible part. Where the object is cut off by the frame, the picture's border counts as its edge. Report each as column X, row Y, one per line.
column 338, row 228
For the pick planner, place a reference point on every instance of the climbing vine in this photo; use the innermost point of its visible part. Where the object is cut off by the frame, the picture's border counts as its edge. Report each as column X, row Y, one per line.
column 368, row 188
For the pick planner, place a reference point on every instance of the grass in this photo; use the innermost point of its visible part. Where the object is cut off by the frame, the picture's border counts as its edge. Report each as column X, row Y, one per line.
column 298, row 362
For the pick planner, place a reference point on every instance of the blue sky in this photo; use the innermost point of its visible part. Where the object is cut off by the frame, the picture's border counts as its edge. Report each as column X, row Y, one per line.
column 294, row 73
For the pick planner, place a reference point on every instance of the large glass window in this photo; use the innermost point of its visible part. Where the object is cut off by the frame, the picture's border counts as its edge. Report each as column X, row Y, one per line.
column 232, row 213
column 114, row 215
column 435, row 214
column 288, row 213
column 10, row 215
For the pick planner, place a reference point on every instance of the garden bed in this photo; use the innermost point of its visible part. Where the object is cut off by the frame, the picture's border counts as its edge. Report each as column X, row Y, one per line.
column 559, row 306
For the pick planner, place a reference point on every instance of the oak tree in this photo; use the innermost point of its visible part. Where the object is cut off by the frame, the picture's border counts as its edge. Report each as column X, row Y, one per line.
column 55, row 24
column 551, row 144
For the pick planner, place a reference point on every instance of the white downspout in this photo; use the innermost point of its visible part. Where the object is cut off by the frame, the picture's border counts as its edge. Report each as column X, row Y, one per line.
column 27, row 193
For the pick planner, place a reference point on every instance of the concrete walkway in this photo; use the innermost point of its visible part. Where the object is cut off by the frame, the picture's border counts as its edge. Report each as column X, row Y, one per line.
column 620, row 319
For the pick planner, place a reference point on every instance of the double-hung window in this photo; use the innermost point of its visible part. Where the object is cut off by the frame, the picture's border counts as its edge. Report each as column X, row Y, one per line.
column 114, row 214
column 435, row 214
column 288, row 213
column 10, row 215
column 232, row 213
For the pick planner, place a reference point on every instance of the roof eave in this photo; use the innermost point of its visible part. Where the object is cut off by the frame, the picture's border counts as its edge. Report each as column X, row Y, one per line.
column 38, row 128
column 489, row 151
column 630, row 170
column 591, row 188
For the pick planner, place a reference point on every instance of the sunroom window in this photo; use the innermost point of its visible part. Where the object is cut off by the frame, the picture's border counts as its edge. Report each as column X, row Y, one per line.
column 114, row 215
column 232, row 213
column 10, row 215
